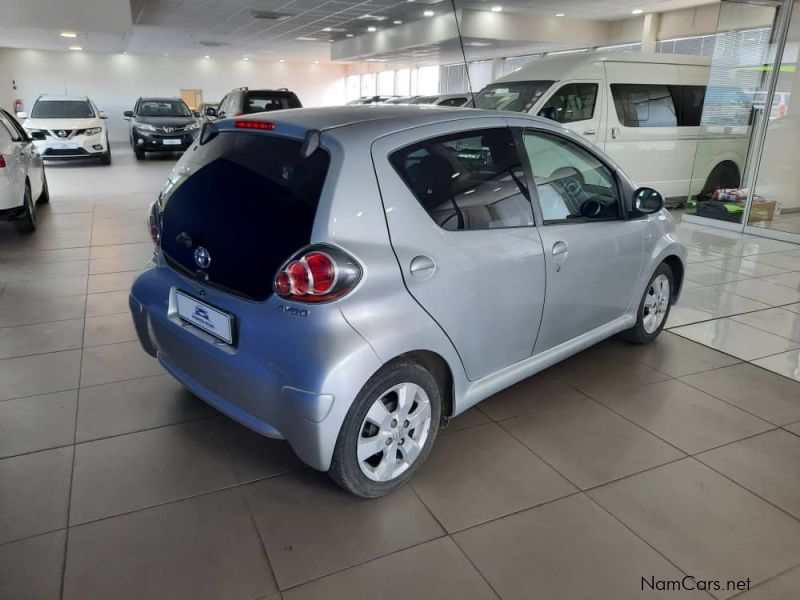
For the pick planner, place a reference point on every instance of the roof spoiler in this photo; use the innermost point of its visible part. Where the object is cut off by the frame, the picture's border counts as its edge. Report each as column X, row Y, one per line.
column 311, row 143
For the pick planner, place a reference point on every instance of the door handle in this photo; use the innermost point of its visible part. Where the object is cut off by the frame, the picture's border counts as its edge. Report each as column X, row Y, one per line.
column 422, row 267
column 590, row 132
column 559, row 251
column 613, row 133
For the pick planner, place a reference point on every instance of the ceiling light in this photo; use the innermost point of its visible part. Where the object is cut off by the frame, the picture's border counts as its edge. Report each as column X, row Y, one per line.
column 372, row 29
column 427, row 13
column 327, row 29
column 207, row 57
column 559, row 14
column 306, row 39
column 497, row 8
column 125, row 52
column 283, row 60
column 316, row 62
column 349, row 35
column 397, row 22
column 637, row 11
column 245, row 58
column 69, row 34
column 76, row 48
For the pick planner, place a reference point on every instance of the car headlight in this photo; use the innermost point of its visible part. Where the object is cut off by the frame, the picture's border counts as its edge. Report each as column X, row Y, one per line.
column 93, row 130
column 191, row 126
column 144, row 126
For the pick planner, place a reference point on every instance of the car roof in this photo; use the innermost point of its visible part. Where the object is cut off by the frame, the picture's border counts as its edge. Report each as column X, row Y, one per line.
column 160, row 99
column 555, row 68
column 379, row 118
column 55, row 98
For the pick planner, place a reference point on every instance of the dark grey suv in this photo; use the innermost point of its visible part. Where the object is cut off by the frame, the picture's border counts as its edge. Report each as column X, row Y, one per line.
column 244, row 101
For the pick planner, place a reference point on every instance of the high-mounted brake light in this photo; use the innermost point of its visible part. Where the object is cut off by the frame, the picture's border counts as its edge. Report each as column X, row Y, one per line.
column 317, row 274
column 263, row 125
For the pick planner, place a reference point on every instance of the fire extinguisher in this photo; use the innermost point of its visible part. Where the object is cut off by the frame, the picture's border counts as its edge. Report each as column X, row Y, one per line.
column 18, row 106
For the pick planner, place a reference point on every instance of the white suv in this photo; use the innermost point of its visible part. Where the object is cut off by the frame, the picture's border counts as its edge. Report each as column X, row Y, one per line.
column 68, row 127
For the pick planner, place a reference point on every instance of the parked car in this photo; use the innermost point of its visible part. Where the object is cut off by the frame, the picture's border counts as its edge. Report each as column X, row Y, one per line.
column 23, row 183
column 400, row 100
column 349, row 301
column 370, row 100
column 68, row 128
column 244, row 101
column 464, row 99
column 644, row 110
column 161, row 125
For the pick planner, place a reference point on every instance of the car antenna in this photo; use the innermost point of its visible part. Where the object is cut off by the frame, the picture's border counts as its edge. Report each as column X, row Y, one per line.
column 464, row 54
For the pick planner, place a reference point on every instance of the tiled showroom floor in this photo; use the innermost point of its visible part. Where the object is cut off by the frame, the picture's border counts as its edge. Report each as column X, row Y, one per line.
column 619, row 464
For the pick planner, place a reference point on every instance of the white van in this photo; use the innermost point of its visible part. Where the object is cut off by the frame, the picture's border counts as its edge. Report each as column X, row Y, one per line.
column 644, row 110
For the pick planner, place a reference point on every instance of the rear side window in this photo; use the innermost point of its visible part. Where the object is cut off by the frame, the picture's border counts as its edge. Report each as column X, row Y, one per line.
column 453, row 102
column 254, row 103
column 573, row 102
column 468, row 181
column 250, row 199
column 649, row 105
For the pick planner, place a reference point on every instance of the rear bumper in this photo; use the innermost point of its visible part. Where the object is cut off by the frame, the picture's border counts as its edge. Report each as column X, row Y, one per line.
column 287, row 378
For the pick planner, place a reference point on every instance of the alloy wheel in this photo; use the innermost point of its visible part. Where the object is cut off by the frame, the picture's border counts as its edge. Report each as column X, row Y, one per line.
column 394, row 432
column 656, row 303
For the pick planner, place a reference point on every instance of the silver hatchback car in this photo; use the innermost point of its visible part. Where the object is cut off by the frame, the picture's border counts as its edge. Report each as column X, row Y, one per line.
column 350, row 278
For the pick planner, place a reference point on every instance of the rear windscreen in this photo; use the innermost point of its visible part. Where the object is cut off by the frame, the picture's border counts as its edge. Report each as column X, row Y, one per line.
column 250, row 200
column 254, row 103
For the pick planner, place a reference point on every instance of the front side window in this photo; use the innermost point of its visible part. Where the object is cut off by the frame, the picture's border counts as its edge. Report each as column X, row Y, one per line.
column 572, row 102
column 62, row 109
column 519, row 96
column 468, row 181
column 163, row 108
column 572, row 184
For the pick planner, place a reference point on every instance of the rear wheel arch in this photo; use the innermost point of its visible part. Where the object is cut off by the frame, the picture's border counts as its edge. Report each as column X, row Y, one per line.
column 441, row 371
column 725, row 174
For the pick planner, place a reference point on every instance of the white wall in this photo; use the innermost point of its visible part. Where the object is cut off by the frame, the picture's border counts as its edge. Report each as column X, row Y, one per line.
column 115, row 81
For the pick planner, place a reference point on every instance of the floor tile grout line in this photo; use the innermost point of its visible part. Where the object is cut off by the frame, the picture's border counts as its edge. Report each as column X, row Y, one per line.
column 744, row 487
column 761, row 583
column 75, row 435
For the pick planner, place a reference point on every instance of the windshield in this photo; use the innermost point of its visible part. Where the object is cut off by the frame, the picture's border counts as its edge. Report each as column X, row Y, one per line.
column 62, row 109
column 255, row 103
column 163, row 108
column 518, row 96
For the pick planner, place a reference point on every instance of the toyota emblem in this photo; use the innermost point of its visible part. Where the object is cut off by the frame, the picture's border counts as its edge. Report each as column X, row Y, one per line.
column 202, row 257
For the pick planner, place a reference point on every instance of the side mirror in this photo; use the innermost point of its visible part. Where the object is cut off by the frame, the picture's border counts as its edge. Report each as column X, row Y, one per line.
column 22, row 115
column 549, row 112
column 128, row 114
column 103, row 114
column 195, row 113
column 647, row 200
column 211, row 111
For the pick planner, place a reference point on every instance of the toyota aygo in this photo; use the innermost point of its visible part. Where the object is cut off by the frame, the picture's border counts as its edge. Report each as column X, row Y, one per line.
column 348, row 279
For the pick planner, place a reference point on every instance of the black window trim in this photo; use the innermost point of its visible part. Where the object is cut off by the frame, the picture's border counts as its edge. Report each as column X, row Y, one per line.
column 523, row 162
column 622, row 211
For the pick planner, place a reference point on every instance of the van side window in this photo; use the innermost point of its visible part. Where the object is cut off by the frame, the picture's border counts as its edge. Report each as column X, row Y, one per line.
column 573, row 102
column 652, row 105
column 468, row 181
column 572, row 184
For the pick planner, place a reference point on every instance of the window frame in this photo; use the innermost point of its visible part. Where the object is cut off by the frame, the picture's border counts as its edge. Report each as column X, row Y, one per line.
column 622, row 210
column 596, row 85
column 470, row 132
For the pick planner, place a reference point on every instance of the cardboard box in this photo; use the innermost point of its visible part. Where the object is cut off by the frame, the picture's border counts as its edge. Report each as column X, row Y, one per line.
column 763, row 210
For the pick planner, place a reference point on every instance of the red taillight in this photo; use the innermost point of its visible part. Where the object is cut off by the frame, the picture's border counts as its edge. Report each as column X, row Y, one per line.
column 2, row 162
column 317, row 274
column 263, row 125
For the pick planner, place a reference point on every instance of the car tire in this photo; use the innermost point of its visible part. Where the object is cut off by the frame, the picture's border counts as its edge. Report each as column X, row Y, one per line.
column 383, row 418
column 140, row 154
column 44, row 197
column 105, row 159
column 654, row 307
column 26, row 223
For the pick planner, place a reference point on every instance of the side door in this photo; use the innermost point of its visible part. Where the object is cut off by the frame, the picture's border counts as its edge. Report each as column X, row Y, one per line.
column 578, row 106
column 32, row 160
column 593, row 254
column 461, row 225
